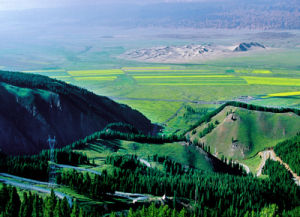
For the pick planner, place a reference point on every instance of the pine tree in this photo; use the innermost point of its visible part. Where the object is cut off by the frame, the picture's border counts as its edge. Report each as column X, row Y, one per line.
column 57, row 211
column 13, row 205
column 75, row 210
column 113, row 214
column 36, row 206
column 4, row 195
column 81, row 213
column 130, row 213
column 174, row 199
column 182, row 213
column 174, row 214
column 50, row 205
column 24, row 206
column 65, row 208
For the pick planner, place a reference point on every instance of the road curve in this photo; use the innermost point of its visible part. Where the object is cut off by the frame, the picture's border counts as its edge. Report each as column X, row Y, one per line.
column 265, row 155
column 36, row 188
column 131, row 196
column 247, row 169
column 77, row 168
column 146, row 163
column 31, row 181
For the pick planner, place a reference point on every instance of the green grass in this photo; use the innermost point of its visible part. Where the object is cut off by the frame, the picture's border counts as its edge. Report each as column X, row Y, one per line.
column 252, row 163
column 146, row 68
column 272, row 81
column 26, row 93
column 185, row 119
column 296, row 93
column 253, row 131
column 96, row 78
column 255, row 75
column 292, row 101
column 256, row 71
column 96, row 72
column 44, row 70
column 187, row 155
column 163, row 110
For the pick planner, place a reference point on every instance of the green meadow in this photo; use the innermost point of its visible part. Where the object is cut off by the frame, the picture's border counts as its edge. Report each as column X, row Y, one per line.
column 160, row 91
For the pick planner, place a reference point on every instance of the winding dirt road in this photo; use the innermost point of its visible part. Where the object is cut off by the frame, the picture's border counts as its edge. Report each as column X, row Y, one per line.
column 246, row 168
column 272, row 155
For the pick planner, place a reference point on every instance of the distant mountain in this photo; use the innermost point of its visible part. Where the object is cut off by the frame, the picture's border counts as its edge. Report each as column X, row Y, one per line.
column 248, row 46
column 170, row 53
column 33, row 107
column 255, row 14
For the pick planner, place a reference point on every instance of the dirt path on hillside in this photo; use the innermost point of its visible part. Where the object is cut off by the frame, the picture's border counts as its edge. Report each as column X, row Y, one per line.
column 272, row 155
column 246, row 168
column 174, row 115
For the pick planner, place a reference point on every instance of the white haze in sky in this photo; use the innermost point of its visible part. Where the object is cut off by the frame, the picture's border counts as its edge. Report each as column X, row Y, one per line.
column 29, row 4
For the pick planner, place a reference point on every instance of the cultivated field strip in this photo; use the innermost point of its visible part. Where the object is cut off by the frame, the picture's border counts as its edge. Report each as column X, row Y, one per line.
column 272, row 81
column 95, row 78
column 96, row 72
column 296, row 93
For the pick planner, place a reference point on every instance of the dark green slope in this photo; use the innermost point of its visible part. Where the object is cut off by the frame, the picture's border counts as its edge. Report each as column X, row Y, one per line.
column 34, row 106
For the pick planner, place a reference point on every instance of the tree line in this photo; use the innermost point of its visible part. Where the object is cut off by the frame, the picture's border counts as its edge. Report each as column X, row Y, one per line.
column 215, row 194
column 110, row 134
column 37, row 166
column 153, row 210
column 95, row 187
column 32, row 205
column 289, row 152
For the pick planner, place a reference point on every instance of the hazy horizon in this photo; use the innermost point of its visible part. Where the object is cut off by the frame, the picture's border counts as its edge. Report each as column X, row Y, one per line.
column 34, row 4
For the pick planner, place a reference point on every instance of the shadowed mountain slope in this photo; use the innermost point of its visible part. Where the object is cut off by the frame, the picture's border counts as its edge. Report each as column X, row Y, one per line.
column 33, row 107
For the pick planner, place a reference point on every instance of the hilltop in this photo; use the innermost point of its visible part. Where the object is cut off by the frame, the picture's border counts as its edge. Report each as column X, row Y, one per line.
column 240, row 133
column 248, row 46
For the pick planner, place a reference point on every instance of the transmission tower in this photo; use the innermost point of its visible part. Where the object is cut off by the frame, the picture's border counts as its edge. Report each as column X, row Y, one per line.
column 52, row 172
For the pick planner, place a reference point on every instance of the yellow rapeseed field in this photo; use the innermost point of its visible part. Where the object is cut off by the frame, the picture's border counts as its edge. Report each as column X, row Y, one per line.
column 96, row 72
column 272, row 81
column 296, row 93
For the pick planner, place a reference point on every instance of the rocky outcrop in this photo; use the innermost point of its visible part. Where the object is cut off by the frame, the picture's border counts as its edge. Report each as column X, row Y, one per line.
column 243, row 47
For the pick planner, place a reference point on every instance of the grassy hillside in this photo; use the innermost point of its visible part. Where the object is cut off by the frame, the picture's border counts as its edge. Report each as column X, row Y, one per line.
column 180, row 152
column 239, row 133
column 35, row 106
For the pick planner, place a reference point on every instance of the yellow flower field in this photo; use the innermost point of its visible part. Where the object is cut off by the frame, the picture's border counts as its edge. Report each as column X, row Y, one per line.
column 96, row 78
column 181, row 76
column 255, row 71
column 272, row 81
column 296, row 93
column 96, row 72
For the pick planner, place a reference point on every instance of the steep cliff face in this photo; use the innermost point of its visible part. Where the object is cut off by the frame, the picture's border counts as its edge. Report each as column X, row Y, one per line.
column 28, row 116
